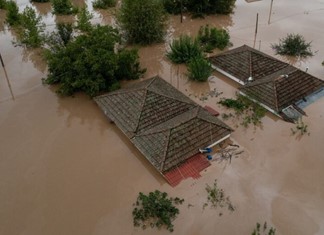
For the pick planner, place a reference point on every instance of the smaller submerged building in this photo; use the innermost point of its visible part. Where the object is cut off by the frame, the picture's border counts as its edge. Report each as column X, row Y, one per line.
column 279, row 87
column 166, row 126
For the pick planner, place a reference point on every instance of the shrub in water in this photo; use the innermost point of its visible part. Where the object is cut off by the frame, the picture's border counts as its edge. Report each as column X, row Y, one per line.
column 293, row 45
column 83, row 20
column 63, row 7
column 103, row 4
column 3, row 4
column 184, row 49
column 13, row 16
column 199, row 69
column 32, row 30
column 211, row 38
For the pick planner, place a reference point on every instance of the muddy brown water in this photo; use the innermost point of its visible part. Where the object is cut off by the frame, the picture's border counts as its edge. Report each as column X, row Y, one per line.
column 65, row 169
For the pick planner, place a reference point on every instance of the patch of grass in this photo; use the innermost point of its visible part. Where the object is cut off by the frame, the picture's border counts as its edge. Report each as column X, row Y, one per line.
column 249, row 111
column 104, row 4
column 264, row 231
column 211, row 38
column 184, row 49
column 216, row 198
column 155, row 210
column 199, row 69
column 293, row 45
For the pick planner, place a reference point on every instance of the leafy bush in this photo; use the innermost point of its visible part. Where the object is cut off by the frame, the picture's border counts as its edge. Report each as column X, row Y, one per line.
column 63, row 7
column 211, row 38
column 184, row 49
column 155, row 210
column 39, row 0
column 83, row 20
column 265, row 230
column 293, row 45
column 199, row 69
column 64, row 34
column 143, row 21
column 88, row 63
column 3, row 4
column 13, row 16
column 201, row 7
column 244, row 107
column 174, row 7
column 103, row 4
column 32, row 31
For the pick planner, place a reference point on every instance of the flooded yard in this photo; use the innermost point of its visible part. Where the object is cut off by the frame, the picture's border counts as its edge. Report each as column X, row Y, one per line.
column 66, row 170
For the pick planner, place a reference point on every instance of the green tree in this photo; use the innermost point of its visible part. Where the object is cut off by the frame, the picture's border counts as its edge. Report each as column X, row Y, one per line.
column 184, row 49
column 3, row 4
column 63, row 35
column 63, row 7
column 144, row 21
column 13, row 16
column 211, row 38
column 32, row 28
column 156, row 210
column 293, row 45
column 83, row 20
column 88, row 63
column 103, row 4
column 199, row 69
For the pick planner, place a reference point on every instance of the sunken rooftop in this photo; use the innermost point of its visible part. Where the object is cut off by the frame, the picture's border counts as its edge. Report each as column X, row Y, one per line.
column 166, row 126
column 275, row 84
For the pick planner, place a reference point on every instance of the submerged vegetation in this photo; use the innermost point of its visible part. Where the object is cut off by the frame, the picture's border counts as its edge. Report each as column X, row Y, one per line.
column 143, row 21
column 13, row 16
column 83, row 20
column 216, row 198
column 300, row 128
column 211, row 38
column 249, row 111
column 90, row 64
column 264, row 231
column 293, row 45
column 103, row 4
column 155, row 210
column 3, row 4
column 199, row 69
column 63, row 7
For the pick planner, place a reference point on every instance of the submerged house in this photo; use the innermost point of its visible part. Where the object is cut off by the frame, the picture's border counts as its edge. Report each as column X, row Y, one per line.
column 279, row 87
column 166, row 126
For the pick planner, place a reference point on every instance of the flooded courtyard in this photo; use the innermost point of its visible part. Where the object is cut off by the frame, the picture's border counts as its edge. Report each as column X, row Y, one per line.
column 66, row 170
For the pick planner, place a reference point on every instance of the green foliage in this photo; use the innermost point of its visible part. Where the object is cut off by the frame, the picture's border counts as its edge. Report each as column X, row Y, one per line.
column 199, row 69
column 32, row 28
column 83, row 20
column 143, row 21
column 88, row 63
column 103, row 4
column 244, row 107
column 301, row 128
column 216, row 197
column 211, row 38
column 128, row 65
column 3, row 4
column 156, row 210
column 60, row 38
column 184, row 49
column 174, row 6
column 293, row 45
column 201, row 7
column 39, row 0
column 264, row 231
column 13, row 16
column 63, row 7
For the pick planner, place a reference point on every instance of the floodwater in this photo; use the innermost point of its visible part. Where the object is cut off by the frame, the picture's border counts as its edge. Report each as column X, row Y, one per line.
column 65, row 169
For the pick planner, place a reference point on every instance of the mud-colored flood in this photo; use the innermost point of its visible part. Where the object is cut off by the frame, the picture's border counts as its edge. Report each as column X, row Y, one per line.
column 65, row 169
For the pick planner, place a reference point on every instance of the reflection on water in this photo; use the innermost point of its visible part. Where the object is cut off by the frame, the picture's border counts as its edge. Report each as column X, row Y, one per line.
column 36, row 56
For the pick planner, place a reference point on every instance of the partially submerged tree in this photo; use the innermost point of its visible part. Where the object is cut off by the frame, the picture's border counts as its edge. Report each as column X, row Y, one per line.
column 3, row 4
column 63, row 7
column 83, row 20
column 143, row 21
column 90, row 64
column 293, row 45
column 199, row 69
column 13, row 16
column 184, row 49
column 32, row 28
column 211, row 38
column 103, row 4
column 155, row 210
column 64, row 34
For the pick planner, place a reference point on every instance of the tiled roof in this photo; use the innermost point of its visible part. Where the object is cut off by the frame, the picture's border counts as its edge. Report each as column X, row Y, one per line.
column 275, row 84
column 244, row 62
column 165, row 125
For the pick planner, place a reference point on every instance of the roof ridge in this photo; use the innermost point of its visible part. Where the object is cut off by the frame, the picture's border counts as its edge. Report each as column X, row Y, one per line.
column 165, row 150
column 142, row 109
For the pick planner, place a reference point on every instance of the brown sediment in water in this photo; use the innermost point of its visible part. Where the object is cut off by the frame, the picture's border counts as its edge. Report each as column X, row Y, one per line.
column 66, row 170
